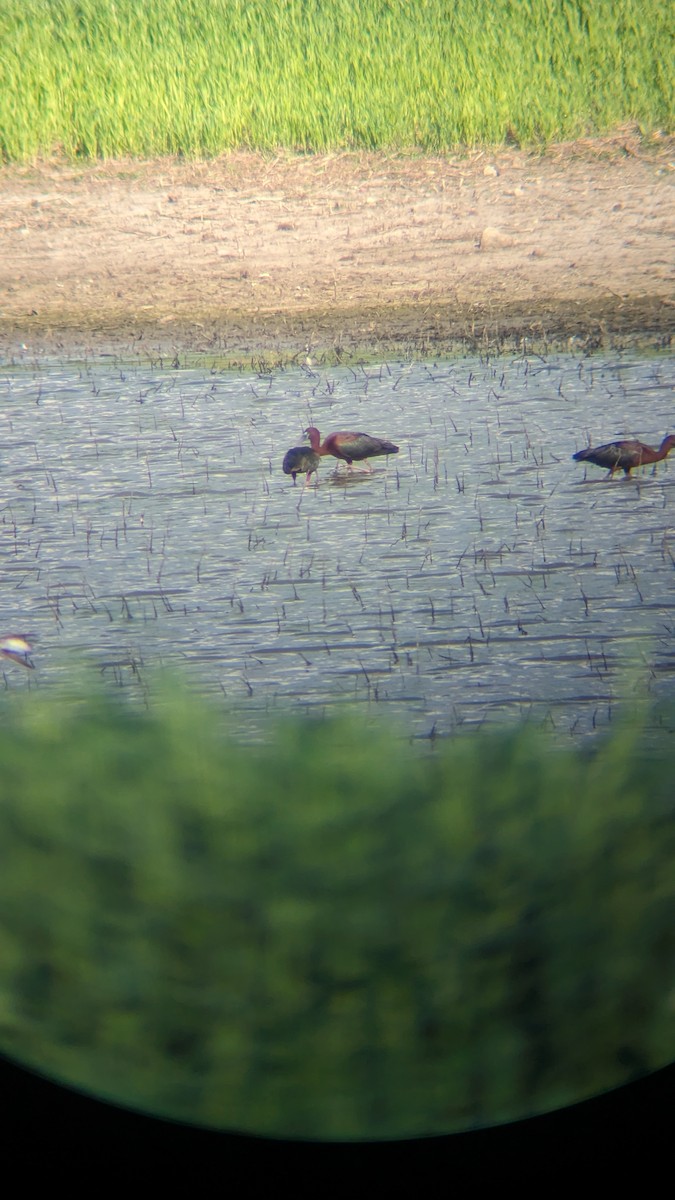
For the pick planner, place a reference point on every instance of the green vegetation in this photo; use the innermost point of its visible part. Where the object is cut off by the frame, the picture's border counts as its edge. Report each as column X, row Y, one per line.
column 198, row 77
column 333, row 936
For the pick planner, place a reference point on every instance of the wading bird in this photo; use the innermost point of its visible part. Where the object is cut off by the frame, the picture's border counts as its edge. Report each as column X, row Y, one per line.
column 624, row 456
column 18, row 650
column 350, row 447
column 299, row 459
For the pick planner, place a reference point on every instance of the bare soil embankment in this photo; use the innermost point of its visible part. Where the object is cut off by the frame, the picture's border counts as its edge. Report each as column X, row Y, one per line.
column 256, row 259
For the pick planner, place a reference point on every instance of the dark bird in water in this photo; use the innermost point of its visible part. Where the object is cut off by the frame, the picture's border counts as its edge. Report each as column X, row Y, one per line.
column 349, row 447
column 301, row 459
column 624, row 456
column 18, row 650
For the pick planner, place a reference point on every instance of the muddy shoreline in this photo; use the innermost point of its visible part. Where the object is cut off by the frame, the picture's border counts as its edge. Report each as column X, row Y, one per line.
column 322, row 338
column 256, row 261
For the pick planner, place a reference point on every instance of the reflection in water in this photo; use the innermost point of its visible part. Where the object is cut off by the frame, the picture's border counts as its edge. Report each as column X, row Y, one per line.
column 480, row 574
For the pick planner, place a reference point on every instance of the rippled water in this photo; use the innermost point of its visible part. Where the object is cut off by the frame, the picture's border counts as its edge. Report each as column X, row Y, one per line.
column 479, row 574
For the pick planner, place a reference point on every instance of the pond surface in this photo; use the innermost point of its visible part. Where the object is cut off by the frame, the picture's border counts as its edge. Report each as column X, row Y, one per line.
column 478, row 575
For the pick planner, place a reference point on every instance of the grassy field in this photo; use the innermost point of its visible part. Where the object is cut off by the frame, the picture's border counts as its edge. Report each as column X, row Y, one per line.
column 197, row 77
column 334, row 937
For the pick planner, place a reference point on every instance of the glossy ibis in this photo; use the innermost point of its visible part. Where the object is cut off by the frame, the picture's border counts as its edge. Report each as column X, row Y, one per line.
column 624, row 456
column 349, row 447
column 299, row 459
column 18, row 650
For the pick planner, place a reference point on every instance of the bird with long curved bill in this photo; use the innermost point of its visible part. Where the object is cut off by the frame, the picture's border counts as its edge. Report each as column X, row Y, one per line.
column 301, row 459
column 350, row 447
column 626, row 455
column 17, row 650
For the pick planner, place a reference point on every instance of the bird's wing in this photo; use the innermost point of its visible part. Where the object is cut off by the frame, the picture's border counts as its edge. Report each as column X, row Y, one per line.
column 612, row 452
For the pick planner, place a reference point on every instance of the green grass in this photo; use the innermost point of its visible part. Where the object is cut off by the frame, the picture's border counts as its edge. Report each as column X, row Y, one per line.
column 332, row 936
column 198, row 77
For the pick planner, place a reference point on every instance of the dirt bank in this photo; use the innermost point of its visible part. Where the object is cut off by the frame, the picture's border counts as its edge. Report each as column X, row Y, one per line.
column 256, row 259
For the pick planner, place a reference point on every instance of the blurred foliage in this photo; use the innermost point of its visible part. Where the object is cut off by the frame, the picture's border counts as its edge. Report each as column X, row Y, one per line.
column 331, row 935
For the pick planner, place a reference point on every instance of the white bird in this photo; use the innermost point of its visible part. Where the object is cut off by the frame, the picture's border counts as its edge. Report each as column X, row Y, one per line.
column 18, row 650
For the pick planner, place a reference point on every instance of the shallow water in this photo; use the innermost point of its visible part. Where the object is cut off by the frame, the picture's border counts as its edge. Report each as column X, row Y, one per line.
column 478, row 575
